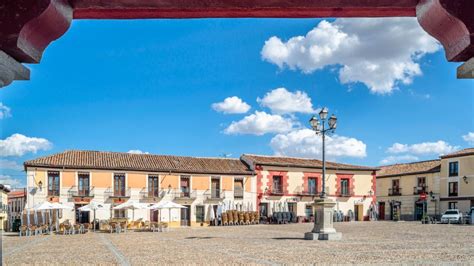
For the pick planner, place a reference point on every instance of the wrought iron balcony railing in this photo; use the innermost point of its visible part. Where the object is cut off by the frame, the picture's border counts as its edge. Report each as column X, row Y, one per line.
column 420, row 190
column 120, row 193
column 395, row 191
column 83, row 192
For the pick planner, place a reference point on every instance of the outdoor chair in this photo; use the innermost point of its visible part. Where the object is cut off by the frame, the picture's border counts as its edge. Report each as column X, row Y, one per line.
column 224, row 219
column 247, row 218
column 23, row 230
column 241, row 218
column 236, row 217
column 230, row 218
column 123, row 226
column 154, row 227
column 115, row 228
column 146, row 226
column 164, row 227
column 257, row 217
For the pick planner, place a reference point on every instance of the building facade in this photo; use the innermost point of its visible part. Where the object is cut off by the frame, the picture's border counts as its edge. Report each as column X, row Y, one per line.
column 408, row 191
column 297, row 182
column 110, row 178
column 4, row 190
column 457, row 180
column 16, row 204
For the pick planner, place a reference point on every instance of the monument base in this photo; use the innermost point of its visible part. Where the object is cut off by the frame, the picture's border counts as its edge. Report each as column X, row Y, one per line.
column 322, row 236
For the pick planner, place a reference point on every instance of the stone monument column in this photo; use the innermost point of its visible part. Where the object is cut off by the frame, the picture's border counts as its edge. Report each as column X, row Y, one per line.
column 323, row 221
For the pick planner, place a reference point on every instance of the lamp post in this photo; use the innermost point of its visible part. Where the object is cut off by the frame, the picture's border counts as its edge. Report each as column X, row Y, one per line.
column 323, row 223
column 320, row 129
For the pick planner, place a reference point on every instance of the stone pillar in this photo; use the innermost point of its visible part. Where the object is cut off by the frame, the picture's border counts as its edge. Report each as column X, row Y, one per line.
column 323, row 221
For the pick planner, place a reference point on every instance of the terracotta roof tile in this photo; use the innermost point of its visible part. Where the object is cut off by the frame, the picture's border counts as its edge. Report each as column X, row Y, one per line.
column 78, row 159
column 463, row 152
column 299, row 162
column 410, row 168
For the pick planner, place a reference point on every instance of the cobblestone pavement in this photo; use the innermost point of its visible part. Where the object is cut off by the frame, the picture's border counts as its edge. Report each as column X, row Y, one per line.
column 362, row 243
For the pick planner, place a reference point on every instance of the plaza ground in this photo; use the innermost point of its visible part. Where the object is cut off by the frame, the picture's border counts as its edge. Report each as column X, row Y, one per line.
column 363, row 242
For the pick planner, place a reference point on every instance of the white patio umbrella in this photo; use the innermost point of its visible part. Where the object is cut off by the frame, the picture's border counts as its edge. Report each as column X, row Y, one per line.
column 92, row 206
column 45, row 205
column 21, row 217
column 212, row 216
column 167, row 205
column 131, row 205
column 60, row 206
column 27, row 217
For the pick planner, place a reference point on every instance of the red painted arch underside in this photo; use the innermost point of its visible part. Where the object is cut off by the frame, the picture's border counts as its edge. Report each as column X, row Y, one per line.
column 128, row 9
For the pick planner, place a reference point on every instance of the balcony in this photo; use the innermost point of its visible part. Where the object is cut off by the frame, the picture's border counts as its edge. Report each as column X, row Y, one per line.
column 420, row 190
column 344, row 194
column 150, row 196
column 309, row 192
column 276, row 190
column 452, row 194
column 122, row 194
column 74, row 193
column 214, row 195
column 395, row 191
column 184, row 196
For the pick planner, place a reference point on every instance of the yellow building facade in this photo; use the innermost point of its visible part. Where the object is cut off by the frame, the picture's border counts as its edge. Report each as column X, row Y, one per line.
column 409, row 190
column 457, row 180
column 4, row 207
column 199, row 184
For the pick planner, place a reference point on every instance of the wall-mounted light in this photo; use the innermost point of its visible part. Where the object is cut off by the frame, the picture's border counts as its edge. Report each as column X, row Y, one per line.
column 169, row 188
column 465, row 179
column 40, row 185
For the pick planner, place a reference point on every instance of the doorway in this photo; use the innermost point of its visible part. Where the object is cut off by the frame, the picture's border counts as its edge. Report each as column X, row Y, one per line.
column 359, row 212
column 153, row 215
column 186, row 216
column 395, row 210
column 381, row 210
column 420, row 208
column 81, row 217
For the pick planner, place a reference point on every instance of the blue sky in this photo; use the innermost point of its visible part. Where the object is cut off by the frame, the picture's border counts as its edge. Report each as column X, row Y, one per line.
column 149, row 85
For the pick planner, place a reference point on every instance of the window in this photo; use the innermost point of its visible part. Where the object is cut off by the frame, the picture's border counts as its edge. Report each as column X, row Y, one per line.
column 119, row 214
column 312, row 186
column 53, row 183
column 395, row 190
column 238, row 188
column 277, row 184
column 421, row 182
column 199, row 213
column 453, row 189
column 119, row 185
column 184, row 186
column 453, row 168
column 215, row 187
column 153, row 186
column 345, row 187
column 452, row 205
column 83, row 184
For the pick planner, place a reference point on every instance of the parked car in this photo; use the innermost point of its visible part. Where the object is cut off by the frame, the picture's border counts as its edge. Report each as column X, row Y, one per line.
column 452, row 216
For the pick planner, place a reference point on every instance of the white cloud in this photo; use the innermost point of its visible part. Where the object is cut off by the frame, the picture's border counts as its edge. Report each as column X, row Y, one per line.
column 379, row 52
column 398, row 159
column 231, row 105
column 10, row 181
column 11, row 165
column 281, row 101
column 18, row 145
column 259, row 124
column 439, row 148
column 469, row 138
column 5, row 111
column 305, row 143
column 138, row 152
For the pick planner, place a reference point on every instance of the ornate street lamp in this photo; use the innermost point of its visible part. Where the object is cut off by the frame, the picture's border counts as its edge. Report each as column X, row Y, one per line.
column 323, row 227
column 320, row 129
